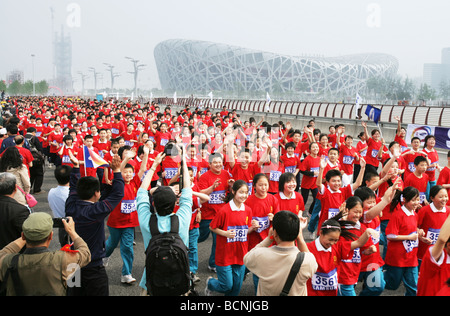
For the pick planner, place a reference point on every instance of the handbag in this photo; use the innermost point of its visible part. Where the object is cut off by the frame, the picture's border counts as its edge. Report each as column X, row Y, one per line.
column 31, row 200
column 293, row 273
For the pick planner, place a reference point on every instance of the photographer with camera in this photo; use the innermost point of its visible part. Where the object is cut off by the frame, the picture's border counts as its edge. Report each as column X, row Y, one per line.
column 39, row 271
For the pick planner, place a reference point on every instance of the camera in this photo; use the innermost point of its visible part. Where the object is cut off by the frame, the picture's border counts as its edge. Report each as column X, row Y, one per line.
column 170, row 149
column 57, row 222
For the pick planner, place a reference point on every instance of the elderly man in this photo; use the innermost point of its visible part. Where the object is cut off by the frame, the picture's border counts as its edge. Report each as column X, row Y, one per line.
column 12, row 213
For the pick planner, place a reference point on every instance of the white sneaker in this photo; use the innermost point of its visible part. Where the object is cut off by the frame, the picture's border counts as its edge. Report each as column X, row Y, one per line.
column 208, row 292
column 127, row 279
column 105, row 261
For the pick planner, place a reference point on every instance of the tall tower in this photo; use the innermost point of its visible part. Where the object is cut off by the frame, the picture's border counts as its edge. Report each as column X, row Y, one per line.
column 63, row 62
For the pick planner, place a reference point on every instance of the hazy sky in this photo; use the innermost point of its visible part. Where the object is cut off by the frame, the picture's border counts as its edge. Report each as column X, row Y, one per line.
column 105, row 31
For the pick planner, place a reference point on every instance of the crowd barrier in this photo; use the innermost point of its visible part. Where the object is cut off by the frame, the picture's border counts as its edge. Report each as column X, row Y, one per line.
column 425, row 115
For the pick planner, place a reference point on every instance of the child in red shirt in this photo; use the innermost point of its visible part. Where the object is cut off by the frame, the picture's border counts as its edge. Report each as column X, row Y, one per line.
column 231, row 224
column 402, row 234
column 432, row 217
column 288, row 198
column 124, row 218
column 419, row 178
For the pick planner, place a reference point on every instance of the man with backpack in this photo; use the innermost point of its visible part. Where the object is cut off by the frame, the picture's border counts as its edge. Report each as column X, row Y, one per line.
column 165, row 274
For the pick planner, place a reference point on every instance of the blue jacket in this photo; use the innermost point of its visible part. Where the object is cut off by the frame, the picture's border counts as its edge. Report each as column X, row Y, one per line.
column 90, row 217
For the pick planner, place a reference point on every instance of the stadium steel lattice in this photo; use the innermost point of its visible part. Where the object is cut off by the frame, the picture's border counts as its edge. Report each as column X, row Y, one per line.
column 187, row 65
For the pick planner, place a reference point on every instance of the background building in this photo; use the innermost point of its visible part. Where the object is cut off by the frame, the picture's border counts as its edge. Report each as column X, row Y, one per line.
column 199, row 66
column 434, row 74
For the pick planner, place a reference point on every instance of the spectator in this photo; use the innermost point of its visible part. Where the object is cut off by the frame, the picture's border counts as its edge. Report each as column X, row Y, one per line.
column 89, row 212
column 12, row 213
column 11, row 131
column 37, row 170
column 40, row 271
column 272, row 264
column 57, row 197
column 11, row 162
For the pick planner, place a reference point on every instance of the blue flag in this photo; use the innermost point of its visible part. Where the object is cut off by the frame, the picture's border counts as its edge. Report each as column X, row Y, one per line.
column 373, row 113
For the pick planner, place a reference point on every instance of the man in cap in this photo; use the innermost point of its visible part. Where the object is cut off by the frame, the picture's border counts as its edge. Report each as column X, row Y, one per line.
column 39, row 271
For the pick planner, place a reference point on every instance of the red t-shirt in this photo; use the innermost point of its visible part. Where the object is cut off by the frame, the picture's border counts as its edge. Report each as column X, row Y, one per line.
column 261, row 208
column 444, row 178
column 238, row 173
column 419, row 183
column 310, row 164
column 349, row 268
column 402, row 253
column 433, row 275
column 325, row 281
column 372, row 152
column 231, row 251
column 431, row 221
column 273, row 171
column 331, row 201
column 210, row 208
column 125, row 213
column 295, row 204
column 434, row 158
column 347, row 159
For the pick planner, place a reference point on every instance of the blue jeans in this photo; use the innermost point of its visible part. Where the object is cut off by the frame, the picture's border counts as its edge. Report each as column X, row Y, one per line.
column 126, row 237
column 395, row 275
column 429, row 186
column 383, row 239
column 193, row 249
column 346, row 290
column 229, row 280
column 373, row 282
column 204, row 234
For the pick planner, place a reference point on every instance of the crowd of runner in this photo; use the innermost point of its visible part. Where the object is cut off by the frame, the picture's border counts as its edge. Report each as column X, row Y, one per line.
column 363, row 191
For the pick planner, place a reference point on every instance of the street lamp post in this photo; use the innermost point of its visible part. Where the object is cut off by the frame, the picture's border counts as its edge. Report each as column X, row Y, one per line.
column 135, row 72
column 83, row 78
column 32, row 66
column 113, row 75
column 95, row 78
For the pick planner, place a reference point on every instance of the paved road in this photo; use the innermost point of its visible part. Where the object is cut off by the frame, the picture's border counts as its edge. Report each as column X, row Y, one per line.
column 115, row 263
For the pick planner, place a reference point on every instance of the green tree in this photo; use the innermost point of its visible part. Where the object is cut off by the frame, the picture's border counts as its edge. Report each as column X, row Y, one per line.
column 27, row 88
column 2, row 85
column 426, row 92
column 42, row 87
column 444, row 89
column 14, row 88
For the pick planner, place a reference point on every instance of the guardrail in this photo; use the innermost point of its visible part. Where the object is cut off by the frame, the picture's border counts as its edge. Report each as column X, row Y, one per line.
column 421, row 115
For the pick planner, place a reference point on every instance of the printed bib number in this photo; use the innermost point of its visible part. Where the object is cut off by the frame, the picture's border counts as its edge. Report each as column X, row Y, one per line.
column 332, row 212
column 356, row 258
column 275, row 175
column 348, row 160
column 410, row 244
column 65, row 159
column 240, row 233
column 128, row 206
column 290, row 169
column 433, row 234
column 170, row 172
column 163, row 142
column 374, row 153
column 314, row 170
column 216, row 197
column 325, row 281
column 263, row 222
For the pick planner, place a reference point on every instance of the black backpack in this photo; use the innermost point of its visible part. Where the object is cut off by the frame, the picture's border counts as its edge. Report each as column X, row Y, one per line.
column 167, row 261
